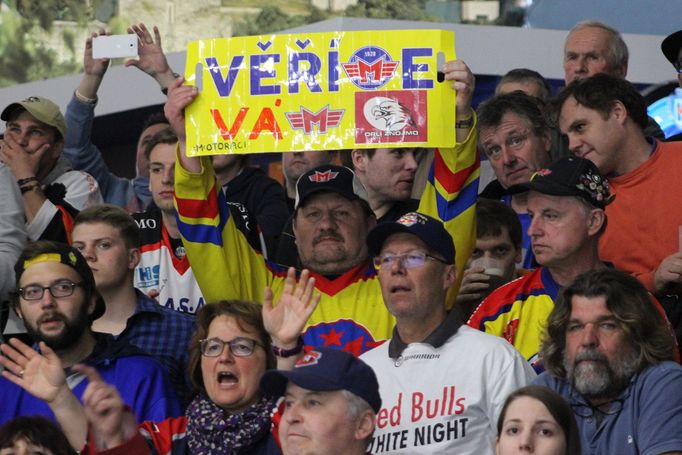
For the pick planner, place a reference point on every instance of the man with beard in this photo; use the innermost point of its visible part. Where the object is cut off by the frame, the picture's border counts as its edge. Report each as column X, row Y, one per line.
column 608, row 352
column 57, row 301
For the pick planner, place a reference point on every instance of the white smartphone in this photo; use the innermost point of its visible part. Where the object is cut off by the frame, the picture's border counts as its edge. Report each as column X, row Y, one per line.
column 114, row 46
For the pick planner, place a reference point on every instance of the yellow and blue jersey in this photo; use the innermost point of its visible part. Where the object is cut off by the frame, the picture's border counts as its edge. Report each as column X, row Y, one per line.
column 351, row 314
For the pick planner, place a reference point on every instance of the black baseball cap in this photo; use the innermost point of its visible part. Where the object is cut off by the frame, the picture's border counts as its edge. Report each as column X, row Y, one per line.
column 570, row 176
column 429, row 230
column 335, row 179
column 671, row 47
column 327, row 370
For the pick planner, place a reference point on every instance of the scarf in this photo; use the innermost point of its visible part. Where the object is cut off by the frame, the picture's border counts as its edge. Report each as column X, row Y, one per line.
column 212, row 431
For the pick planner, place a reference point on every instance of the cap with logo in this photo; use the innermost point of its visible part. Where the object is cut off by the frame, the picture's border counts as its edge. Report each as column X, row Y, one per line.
column 671, row 46
column 429, row 230
column 41, row 108
column 336, row 179
column 63, row 254
column 570, row 176
column 326, row 370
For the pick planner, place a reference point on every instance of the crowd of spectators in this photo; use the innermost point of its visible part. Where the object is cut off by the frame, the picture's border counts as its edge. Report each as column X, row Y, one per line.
column 203, row 308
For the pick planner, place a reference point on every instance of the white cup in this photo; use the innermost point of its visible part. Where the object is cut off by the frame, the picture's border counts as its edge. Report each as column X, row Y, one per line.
column 492, row 266
column 494, row 269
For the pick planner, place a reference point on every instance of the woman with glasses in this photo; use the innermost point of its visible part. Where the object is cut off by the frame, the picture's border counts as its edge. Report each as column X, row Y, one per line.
column 233, row 346
column 537, row 420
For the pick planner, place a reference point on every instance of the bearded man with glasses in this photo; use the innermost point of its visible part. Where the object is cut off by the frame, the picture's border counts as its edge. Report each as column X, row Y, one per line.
column 442, row 383
column 57, row 301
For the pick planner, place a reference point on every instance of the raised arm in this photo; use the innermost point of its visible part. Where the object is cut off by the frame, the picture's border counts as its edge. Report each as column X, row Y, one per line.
column 179, row 97
column 285, row 320
column 41, row 374
column 152, row 60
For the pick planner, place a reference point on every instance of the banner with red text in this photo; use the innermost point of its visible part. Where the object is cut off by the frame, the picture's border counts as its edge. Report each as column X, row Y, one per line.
column 320, row 91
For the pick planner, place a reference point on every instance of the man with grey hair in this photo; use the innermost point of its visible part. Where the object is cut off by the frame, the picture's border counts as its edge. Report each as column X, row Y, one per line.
column 431, row 405
column 593, row 47
column 609, row 354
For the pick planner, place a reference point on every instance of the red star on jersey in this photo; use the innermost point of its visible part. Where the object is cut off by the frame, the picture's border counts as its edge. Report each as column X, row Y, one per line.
column 355, row 346
column 333, row 338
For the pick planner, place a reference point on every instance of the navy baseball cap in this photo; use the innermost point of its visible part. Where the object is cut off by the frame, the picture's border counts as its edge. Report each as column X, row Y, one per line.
column 429, row 230
column 570, row 176
column 671, row 46
column 327, row 370
column 336, row 179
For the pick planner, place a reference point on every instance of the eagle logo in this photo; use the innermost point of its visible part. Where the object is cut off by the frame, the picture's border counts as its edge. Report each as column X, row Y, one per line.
column 388, row 114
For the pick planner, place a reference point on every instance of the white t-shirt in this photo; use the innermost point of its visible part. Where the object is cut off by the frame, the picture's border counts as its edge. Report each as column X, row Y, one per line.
column 446, row 399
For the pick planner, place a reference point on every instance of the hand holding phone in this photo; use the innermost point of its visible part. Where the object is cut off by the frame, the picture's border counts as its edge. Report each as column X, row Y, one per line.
column 114, row 46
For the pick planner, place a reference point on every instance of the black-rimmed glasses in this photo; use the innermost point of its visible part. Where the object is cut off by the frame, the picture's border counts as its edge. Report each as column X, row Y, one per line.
column 239, row 347
column 58, row 289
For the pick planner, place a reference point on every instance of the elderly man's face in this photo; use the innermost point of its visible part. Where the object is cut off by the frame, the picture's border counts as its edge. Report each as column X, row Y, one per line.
column 599, row 358
column 515, row 152
column 321, row 423
column 330, row 233
column 587, row 53
column 413, row 293
column 559, row 230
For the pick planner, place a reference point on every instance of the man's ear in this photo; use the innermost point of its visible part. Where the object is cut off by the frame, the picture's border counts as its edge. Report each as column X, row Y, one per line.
column 366, row 423
column 596, row 220
column 17, row 310
column 359, row 158
column 133, row 258
column 619, row 112
column 92, row 303
column 449, row 276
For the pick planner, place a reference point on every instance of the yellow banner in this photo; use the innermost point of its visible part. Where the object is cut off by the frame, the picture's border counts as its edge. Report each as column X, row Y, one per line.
column 320, row 91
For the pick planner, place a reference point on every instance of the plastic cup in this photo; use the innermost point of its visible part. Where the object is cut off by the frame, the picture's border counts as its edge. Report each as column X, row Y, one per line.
column 494, row 269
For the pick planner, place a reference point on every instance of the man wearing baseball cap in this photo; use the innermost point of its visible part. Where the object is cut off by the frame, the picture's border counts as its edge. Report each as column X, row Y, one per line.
column 32, row 149
column 566, row 203
column 331, row 222
column 57, row 301
column 331, row 402
column 442, row 383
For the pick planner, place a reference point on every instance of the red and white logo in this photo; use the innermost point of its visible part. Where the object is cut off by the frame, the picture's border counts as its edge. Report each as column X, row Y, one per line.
column 324, row 118
column 391, row 117
column 310, row 358
column 321, row 177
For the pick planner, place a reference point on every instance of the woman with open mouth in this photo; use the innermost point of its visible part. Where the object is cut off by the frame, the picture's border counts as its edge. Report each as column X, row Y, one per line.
column 233, row 346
